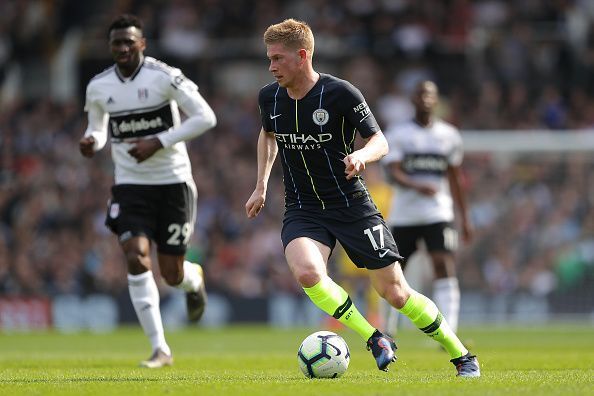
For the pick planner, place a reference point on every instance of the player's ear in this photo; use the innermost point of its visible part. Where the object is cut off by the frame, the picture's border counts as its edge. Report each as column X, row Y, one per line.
column 302, row 55
column 142, row 44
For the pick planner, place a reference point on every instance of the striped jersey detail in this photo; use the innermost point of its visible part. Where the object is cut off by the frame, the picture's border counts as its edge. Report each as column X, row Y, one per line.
column 328, row 157
column 139, row 110
column 275, row 102
column 303, row 158
column 336, row 180
column 283, row 151
column 314, row 141
column 292, row 178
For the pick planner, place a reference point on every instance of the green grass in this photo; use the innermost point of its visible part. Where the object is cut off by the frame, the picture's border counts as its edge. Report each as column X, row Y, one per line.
column 552, row 360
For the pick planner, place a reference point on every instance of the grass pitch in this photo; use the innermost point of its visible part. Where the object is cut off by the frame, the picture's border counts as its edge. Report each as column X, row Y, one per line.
column 551, row 360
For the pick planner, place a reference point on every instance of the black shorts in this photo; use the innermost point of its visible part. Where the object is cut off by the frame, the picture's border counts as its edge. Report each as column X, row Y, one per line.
column 163, row 213
column 438, row 237
column 360, row 229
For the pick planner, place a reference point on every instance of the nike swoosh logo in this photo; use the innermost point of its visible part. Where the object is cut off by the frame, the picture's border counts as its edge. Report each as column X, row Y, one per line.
column 382, row 254
column 273, row 117
column 343, row 308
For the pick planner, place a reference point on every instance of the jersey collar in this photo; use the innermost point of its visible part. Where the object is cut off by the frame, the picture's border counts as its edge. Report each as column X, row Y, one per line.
column 131, row 78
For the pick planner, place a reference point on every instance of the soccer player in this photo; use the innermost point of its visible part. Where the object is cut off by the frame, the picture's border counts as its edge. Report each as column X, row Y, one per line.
column 311, row 119
column 424, row 167
column 136, row 101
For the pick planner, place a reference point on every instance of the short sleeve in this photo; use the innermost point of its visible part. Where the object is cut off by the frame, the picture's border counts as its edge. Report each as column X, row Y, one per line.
column 182, row 88
column 457, row 151
column 358, row 112
column 266, row 121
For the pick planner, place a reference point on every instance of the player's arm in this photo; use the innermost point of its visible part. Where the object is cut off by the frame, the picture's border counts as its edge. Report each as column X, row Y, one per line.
column 454, row 177
column 375, row 147
column 393, row 167
column 397, row 174
column 200, row 119
column 200, row 115
column 359, row 115
column 95, row 135
column 267, row 150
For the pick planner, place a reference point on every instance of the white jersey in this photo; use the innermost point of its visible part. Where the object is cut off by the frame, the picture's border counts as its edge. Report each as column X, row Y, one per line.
column 425, row 154
column 142, row 106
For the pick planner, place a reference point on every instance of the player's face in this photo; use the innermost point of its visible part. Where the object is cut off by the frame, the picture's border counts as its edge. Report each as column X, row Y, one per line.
column 127, row 46
column 426, row 97
column 285, row 64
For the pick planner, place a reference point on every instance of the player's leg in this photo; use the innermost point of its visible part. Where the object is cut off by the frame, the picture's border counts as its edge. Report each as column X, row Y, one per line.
column 307, row 260
column 406, row 240
column 423, row 313
column 442, row 240
column 446, row 292
column 130, row 216
column 360, row 230
column 387, row 278
column 175, row 225
column 308, row 244
column 145, row 299
column 189, row 277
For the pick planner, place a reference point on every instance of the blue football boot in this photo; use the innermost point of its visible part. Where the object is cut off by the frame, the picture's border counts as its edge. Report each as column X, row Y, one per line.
column 467, row 366
column 383, row 349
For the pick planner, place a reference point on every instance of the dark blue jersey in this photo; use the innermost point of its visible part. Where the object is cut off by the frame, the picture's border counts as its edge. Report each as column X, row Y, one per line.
column 313, row 135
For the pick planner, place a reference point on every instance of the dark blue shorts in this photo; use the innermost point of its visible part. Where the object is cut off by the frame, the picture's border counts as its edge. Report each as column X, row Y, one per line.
column 360, row 229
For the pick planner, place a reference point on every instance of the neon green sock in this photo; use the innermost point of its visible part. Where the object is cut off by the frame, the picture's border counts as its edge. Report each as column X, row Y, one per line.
column 335, row 301
column 425, row 315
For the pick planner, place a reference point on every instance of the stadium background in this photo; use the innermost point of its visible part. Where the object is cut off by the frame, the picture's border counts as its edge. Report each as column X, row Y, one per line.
column 520, row 70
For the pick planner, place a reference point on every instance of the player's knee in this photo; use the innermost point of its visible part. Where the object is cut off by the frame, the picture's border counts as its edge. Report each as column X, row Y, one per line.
column 444, row 267
column 305, row 272
column 137, row 262
column 172, row 278
column 308, row 277
column 395, row 294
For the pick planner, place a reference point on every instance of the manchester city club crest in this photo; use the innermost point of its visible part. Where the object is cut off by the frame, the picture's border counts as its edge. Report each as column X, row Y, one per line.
column 320, row 117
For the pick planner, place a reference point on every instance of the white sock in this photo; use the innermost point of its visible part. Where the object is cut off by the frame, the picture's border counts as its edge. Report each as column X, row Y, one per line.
column 145, row 298
column 192, row 277
column 446, row 295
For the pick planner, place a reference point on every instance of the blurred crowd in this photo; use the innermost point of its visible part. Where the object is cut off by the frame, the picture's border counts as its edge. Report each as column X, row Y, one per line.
column 505, row 65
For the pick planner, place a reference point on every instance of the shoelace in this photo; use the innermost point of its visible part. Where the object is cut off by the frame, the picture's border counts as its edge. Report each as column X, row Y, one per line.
column 370, row 344
column 464, row 359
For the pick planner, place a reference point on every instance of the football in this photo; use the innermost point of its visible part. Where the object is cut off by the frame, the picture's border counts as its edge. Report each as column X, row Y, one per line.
column 323, row 354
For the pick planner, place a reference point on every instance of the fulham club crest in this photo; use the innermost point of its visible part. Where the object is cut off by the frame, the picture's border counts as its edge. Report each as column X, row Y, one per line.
column 142, row 94
column 114, row 209
column 320, row 117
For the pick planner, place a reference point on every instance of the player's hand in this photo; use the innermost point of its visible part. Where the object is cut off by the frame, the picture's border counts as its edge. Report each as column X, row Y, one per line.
column 143, row 149
column 467, row 231
column 256, row 202
column 426, row 189
column 86, row 146
column 353, row 165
